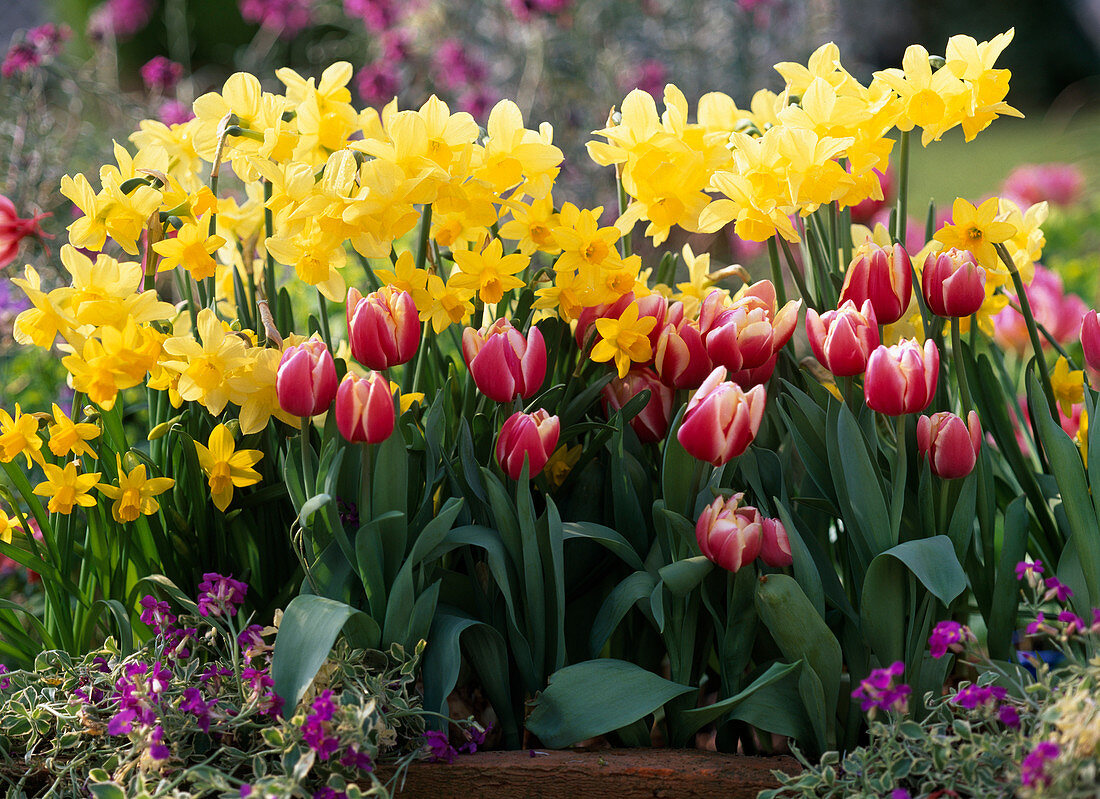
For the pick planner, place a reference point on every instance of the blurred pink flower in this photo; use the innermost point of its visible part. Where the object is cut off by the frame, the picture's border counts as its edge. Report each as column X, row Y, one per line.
column 286, row 16
column 477, row 102
column 1058, row 312
column 119, row 19
column 13, row 229
column 649, row 76
column 378, row 83
column 173, row 112
column 377, row 15
column 455, row 69
column 1058, row 184
column 161, row 74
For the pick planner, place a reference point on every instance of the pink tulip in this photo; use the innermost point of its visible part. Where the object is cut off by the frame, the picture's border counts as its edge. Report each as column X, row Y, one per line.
column 902, row 379
column 364, row 408
column 952, row 283
column 749, row 333
column 653, row 305
column 950, row 445
column 383, row 327
column 1090, row 339
column 729, row 535
column 306, row 381
column 652, row 423
column 14, row 229
column 775, row 547
column 843, row 339
column 883, row 275
column 1060, row 313
column 721, row 420
column 530, row 436
column 681, row 356
column 503, row 363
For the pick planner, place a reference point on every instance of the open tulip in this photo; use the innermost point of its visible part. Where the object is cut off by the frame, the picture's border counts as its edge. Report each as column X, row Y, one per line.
column 721, row 420
column 750, row 332
column 503, row 363
column 383, row 327
column 952, row 283
column 681, row 356
column 306, row 381
column 533, row 436
column 902, row 379
column 775, row 547
column 1090, row 339
column 364, row 408
column 729, row 535
column 950, row 445
column 843, row 339
column 652, row 423
column 883, row 275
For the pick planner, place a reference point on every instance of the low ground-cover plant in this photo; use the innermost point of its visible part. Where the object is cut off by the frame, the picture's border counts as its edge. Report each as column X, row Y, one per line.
column 192, row 713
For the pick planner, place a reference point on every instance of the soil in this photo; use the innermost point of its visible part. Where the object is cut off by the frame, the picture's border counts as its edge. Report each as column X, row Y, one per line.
column 612, row 773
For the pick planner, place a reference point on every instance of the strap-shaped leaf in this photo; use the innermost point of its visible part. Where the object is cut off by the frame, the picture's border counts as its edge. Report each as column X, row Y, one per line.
column 633, row 589
column 595, row 697
column 705, row 715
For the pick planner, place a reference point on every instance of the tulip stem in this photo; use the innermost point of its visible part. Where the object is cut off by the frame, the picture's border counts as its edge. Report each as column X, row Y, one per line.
column 419, row 368
column 960, row 368
column 1032, row 330
column 903, row 189
column 322, row 309
column 897, row 499
column 777, row 277
column 364, row 484
column 307, row 482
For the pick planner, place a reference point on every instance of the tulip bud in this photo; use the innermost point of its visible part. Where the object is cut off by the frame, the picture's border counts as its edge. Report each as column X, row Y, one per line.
column 681, row 359
column 652, row 423
column 306, row 381
column 383, row 327
column 721, row 420
column 775, row 547
column 533, row 436
column 364, row 408
column 749, row 333
column 950, row 445
column 902, row 379
column 843, row 339
column 728, row 535
column 503, row 363
column 1090, row 339
column 952, row 283
column 883, row 275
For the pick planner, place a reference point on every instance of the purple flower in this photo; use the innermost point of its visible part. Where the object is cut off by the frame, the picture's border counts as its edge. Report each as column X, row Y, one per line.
column 1038, row 625
column 119, row 19
column 1032, row 769
column 946, row 634
column 477, row 102
column 173, row 112
column 1008, row 716
column 378, row 83
column 329, row 793
column 878, row 691
column 161, row 74
column 22, row 57
column 439, row 747
column 121, row 722
column 475, row 737
column 48, row 38
column 220, row 595
column 649, row 76
column 454, row 67
column 1074, row 623
column 251, row 642
column 355, row 760
column 285, row 16
column 5, row 682
column 193, row 703
column 1024, row 568
column 378, row 16
column 900, row 793
column 1056, row 589
column 973, row 696
column 156, row 614
column 157, row 750
column 315, row 729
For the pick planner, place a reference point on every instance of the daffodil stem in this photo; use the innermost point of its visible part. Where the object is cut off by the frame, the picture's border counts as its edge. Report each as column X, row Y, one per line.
column 1032, row 329
column 960, row 368
column 322, row 309
column 425, row 231
column 777, row 275
column 834, row 241
column 903, row 189
column 625, row 244
column 269, row 259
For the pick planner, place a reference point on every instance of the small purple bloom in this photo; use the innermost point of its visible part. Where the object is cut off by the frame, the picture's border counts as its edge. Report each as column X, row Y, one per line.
column 1032, row 769
column 439, row 747
column 1038, row 625
column 378, row 83
column 5, row 682
column 121, row 723
column 900, row 793
column 1057, row 589
column 285, row 16
column 946, row 634
column 193, row 703
column 220, row 595
column 973, row 696
column 1024, row 568
column 878, row 691
column 475, row 737
column 157, row 750
column 161, row 74
column 1008, row 716
column 156, row 614
column 355, row 760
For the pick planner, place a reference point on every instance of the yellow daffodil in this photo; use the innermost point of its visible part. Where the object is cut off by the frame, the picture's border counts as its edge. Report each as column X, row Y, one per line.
column 449, row 304
column 227, row 468
column 1069, row 386
column 19, row 435
column 561, row 463
column 207, row 369
column 66, row 488
column 192, row 249
column 976, row 229
column 7, row 525
column 69, row 438
column 532, row 226
column 406, row 277
column 133, row 496
column 490, row 273
column 625, row 339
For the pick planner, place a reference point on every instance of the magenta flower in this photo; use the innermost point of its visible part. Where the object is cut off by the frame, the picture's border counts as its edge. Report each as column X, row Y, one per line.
column 1056, row 589
column 1033, row 768
column 160, row 74
column 439, row 747
column 946, row 634
column 220, row 595
column 1024, row 568
column 973, row 696
column 287, row 17
column 878, row 691
column 316, row 728
column 5, row 682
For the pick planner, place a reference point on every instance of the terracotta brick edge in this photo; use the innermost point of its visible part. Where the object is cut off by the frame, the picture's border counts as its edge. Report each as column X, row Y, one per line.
column 618, row 773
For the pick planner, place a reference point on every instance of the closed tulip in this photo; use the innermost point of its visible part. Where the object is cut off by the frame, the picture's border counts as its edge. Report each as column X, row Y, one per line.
column 383, row 327
column 883, row 275
column 775, row 547
column 950, row 445
column 721, row 420
column 533, row 436
column 843, row 339
column 952, row 283
column 1090, row 339
column 652, row 423
column 364, row 408
column 681, row 357
column 305, row 383
column 902, row 379
column 729, row 535
column 503, row 363
column 749, row 332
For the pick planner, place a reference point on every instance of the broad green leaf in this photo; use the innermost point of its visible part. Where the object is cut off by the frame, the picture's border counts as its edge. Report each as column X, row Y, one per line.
column 677, row 469
column 610, row 539
column 311, row 506
column 805, row 570
column 868, row 503
column 1006, row 589
column 705, row 715
column 307, row 632
column 685, row 575
column 633, row 589
column 595, row 697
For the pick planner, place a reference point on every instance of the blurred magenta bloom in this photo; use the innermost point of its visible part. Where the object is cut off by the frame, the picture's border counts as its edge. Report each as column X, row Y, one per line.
column 1058, row 312
column 378, row 83
column 286, row 16
column 160, row 74
column 1058, row 184
column 119, row 19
